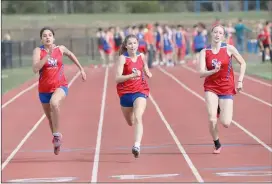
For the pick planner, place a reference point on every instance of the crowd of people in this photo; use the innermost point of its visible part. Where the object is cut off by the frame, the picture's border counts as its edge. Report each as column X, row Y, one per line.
column 170, row 44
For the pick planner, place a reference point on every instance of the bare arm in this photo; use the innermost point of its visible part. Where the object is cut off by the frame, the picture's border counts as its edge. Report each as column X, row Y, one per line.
column 119, row 71
column 71, row 56
column 37, row 64
column 202, row 65
column 233, row 51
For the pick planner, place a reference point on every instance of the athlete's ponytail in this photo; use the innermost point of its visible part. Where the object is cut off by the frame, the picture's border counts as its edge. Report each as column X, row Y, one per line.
column 123, row 48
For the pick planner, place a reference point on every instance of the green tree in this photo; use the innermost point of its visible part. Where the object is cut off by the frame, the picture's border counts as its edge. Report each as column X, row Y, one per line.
column 22, row 7
column 144, row 6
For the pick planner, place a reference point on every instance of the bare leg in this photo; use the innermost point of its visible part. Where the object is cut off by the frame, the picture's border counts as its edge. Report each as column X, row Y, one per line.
column 47, row 111
column 139, row 108
column 128, row 114
column 212, row 105
column 57, row 97
column 55, row 101
column 226, row 106
column 103, row 58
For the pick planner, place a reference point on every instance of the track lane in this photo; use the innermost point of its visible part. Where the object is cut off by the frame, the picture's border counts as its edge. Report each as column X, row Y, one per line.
column 21, row 115
column 79, row 122
column 159, row 153
column 187, row 115
column 247, row 111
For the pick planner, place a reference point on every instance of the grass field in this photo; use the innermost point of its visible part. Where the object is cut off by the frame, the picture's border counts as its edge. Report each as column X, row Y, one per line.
column 95, row 20
column 11, row 78
column 262, row 70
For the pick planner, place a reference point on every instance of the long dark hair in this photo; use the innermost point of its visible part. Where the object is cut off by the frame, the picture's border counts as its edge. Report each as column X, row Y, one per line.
column 123, row 48
column 46, row 28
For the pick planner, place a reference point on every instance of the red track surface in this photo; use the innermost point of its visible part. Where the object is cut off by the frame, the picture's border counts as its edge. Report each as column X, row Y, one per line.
column 185, row 113
column 20, row 116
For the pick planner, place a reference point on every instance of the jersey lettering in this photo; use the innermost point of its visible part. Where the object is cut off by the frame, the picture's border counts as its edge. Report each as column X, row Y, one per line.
column 52, row 62
column 215, row 62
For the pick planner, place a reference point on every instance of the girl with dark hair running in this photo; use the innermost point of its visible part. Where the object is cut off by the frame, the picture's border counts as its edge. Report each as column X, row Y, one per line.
column 53, row 87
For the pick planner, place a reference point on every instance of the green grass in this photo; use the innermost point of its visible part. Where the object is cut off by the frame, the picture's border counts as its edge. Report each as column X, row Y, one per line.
column 12, row 78
column 95, row 20
column 262, row 70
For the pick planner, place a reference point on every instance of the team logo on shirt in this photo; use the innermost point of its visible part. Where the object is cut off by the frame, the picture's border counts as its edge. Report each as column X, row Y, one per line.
column 215, row 62
column 52, row 62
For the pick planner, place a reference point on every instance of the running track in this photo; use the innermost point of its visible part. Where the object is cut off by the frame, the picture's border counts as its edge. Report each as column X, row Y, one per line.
column 176, row 146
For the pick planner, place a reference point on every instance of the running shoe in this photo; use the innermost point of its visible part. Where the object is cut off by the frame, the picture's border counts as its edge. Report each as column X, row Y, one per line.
column 136, row 151
column 57, row 143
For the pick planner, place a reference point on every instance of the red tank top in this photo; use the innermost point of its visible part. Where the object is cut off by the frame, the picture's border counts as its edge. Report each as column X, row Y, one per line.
column 222, row 82
column 52, row 73
column 138, row 84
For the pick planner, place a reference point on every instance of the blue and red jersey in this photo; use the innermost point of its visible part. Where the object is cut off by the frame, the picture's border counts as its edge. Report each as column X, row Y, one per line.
column 138, row 84
column 52, row 73
column 222, row 82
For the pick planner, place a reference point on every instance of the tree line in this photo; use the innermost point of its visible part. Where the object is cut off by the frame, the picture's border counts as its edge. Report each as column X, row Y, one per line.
column 72, row 6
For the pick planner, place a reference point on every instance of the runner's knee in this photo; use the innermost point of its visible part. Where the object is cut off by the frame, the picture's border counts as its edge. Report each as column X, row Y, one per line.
column 54, row 103
column 213, row 120
column 226, row 122
column 138, row 118
column 130, row 121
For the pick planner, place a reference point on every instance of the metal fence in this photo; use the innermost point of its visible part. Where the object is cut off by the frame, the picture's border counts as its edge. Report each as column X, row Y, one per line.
column 19, row 53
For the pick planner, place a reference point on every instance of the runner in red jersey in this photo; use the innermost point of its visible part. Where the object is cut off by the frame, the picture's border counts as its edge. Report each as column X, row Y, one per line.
column 264, row 39
column 53, row 87
column 219, row 85
column 132, row 87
